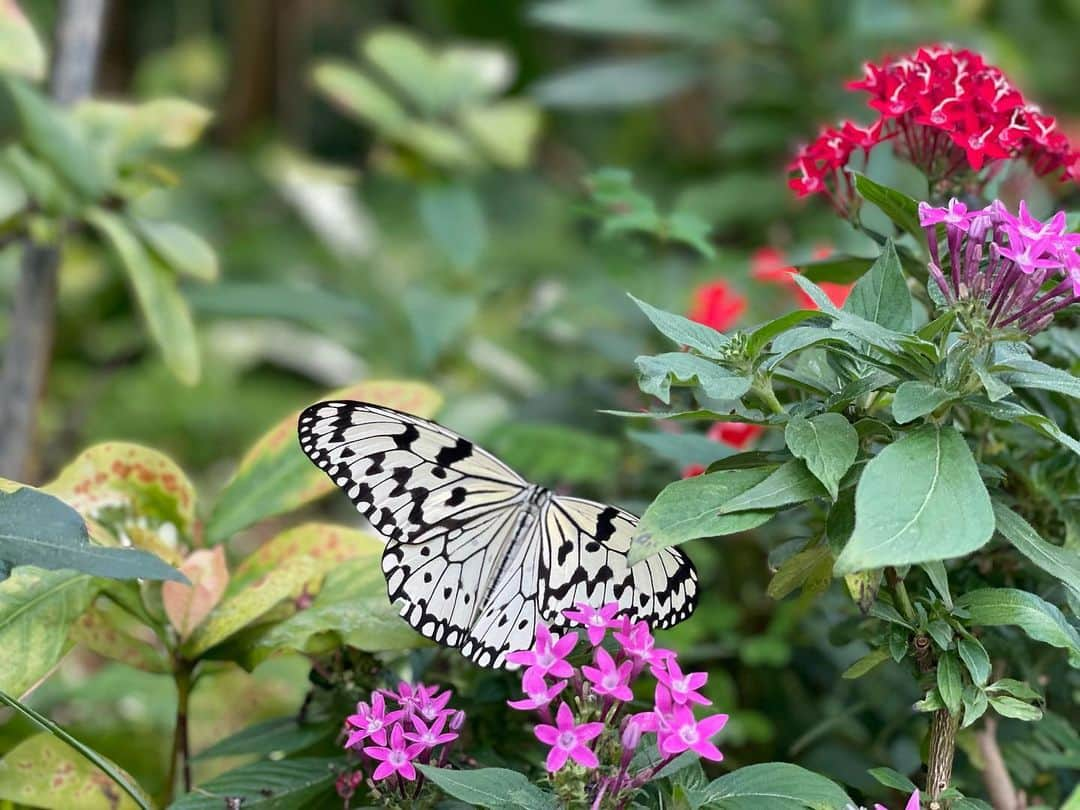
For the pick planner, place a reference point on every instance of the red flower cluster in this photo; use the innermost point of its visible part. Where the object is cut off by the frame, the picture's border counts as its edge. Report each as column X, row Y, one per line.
column 947, row 111
column 769, row 265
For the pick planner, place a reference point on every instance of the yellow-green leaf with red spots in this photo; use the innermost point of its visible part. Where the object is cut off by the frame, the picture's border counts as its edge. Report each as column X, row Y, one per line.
column 135, row 491
column 112, row 633
column 327, row 543
column 244, row 608
column 276, row 477
column 187, row 605
column 43, row 771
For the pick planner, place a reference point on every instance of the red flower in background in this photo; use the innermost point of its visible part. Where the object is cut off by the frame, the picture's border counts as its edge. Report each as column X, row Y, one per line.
column 946, row 111
column 735, row 434
column 691, row 470
column 769, row 265
column 717, row 305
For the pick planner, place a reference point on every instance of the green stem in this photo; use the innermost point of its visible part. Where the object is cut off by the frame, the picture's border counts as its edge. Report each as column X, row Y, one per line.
column 899, row 590
column 181, row 750
column 764, row 391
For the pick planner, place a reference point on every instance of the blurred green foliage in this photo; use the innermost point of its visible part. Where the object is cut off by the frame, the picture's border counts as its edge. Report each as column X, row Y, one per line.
column 368, row 221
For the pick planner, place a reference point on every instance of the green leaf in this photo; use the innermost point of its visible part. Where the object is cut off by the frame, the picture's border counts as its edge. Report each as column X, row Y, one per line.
column 438, row 320
column 975, row 658
column 893, row 779
column 1018, row 710
column 41, row 530
column 760, row 336
column 993, row 385
column 1026, row 372
column 810, row 569
column 164, row 308
column 914, row 399
column 1059, row 562
column 351, row 609
column 685, row 332
column 37, row 608
column 21, row 50
column 55, row 136
column 1035, row 616
column 900, row 208
column 827, row 443
column 1012, row 412
column 112, row 633
column 682, row 448
column 180, row 248
column 275, row 476
column 287, row 784
column 695, row 22
column 1018, row 689
column 54, row 770
column 941, row 631
column 939, row 578
column 688, row 509
column 865, row 664
column 949, row 683
column 919, row 499
column 455, row 221
column 837, row 269
column 352, row 91
column 975, row 705
column 282, row 735
column 658, row 372
column 505, row 130
column 791, row 483
column 774, row 786
column 613, row 83
column 495, row 788
column 882, row 295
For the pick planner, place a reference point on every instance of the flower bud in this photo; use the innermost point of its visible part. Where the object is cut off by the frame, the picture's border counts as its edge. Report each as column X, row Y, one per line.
column 457, row 721
column 631, row 735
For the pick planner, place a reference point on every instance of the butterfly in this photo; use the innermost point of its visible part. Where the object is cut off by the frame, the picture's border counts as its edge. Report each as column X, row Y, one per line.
column 476, row 554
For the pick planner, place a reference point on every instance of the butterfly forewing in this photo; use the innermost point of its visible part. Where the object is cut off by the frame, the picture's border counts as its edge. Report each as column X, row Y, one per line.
column 409, row 477
column 475, row 554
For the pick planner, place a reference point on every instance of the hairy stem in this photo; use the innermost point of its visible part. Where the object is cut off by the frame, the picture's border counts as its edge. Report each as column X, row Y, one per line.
column 29, row 341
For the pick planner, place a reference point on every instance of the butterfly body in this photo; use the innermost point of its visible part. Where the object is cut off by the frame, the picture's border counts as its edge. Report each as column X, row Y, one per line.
column 476, row 554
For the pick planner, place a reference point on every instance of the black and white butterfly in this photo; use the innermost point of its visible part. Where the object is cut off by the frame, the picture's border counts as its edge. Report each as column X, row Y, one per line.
column 478, row 555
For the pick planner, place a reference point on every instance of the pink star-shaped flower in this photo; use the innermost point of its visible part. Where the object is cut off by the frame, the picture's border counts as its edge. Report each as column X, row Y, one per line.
column 596, row 621
column 371, row 722
column 567, row 740
column 537, row 692
column 548, row 653
column 684, row 733
column 609, row 679
column 397, row 758
column 683, row 687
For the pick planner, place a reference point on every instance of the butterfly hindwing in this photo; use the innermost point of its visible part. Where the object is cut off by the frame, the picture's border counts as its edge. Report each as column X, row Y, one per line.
column 475, row 555
column 409, row 477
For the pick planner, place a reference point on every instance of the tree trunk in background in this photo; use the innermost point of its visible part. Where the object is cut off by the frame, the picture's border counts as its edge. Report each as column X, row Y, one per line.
column 30, row 333
column 253, row 63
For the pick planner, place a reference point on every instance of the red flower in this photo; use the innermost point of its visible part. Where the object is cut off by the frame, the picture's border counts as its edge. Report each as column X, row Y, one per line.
column 717, row 305
column 734, row 434
column 692, row 470
column 947, row 112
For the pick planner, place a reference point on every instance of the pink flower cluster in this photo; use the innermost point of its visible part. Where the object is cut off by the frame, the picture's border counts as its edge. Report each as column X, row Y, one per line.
column 1020, row 269
column 912, row 803
column 946, row 111
column 592, row 724
column 399, row 728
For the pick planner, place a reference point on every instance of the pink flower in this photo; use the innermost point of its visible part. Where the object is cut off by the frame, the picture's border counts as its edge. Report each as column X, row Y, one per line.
column 397, row 758
column 608, row 679
column 371, row 722
column 429, row 736
column 567, row 740
column 637, row 641
column 432, row 706
column 684, row 733
column 683, row 688
column 548, row 653
column 538, row 693
column 912, row 803
column 410, row 697
column 597, row 621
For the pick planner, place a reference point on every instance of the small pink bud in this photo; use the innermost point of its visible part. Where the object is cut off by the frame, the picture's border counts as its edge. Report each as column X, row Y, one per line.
column 631, row 735
column 457, row 721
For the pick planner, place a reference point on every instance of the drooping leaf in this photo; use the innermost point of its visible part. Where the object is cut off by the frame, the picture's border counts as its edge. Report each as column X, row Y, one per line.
column 1013, row 412
column 495, row 788
column 919, row 499
column 827, row 443
column 1027, row 372
column 286, row 784
column 865, row 664
column 108, row 768
column 791, row 483
column 112, row 633
column 275, row 476
column 1018, row 710
column 1058, row 561
column 163, row 306
column 37, row 608
column 39, row 529
column 187, row 605
column 690, row 508
column 685, row 332
column 949, row 683
column 44, row 771
column 659, row 372
column 975, row 658
column 1038, row 618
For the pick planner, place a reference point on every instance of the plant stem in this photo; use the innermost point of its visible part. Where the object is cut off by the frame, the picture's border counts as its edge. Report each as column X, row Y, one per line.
column 900, row 592
column 939, row 764
column 181, row 751
column 30, row 335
